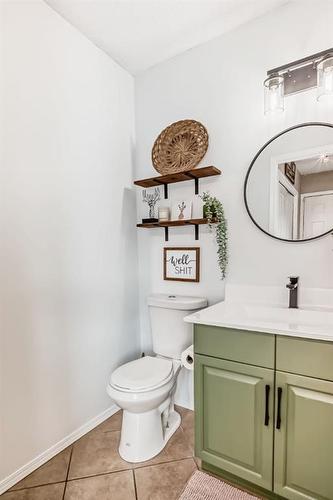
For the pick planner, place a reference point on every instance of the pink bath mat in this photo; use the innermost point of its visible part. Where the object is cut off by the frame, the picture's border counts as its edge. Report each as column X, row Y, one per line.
column 201, row 486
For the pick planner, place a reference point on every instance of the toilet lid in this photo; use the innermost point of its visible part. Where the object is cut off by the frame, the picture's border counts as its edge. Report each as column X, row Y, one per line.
column 142, row 374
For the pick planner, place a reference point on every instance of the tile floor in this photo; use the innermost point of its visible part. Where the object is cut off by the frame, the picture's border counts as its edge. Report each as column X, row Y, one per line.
column 91, row 469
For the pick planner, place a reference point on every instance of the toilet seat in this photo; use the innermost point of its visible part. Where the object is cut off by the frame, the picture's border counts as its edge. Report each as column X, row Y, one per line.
column 143, row 374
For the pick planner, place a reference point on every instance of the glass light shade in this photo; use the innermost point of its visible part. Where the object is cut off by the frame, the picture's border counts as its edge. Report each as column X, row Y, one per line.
column 274, row 93
column 325, row 77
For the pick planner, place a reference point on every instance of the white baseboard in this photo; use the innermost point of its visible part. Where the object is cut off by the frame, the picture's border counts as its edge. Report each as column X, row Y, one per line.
column 36, row 462
column 185, row 404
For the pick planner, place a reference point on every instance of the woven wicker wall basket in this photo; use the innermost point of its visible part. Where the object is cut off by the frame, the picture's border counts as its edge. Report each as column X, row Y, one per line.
column 180, row 147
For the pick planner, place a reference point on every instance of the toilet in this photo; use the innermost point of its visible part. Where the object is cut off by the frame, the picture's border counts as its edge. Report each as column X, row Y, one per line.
column 145, row 388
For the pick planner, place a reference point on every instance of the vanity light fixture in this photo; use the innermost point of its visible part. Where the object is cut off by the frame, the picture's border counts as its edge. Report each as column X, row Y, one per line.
column 298, row 76
column 274, row 93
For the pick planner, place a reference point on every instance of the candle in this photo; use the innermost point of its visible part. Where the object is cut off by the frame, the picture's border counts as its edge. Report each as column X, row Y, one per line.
column 163, row 213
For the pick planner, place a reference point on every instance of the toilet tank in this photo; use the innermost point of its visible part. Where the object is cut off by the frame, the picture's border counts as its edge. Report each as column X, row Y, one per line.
column 171, row 335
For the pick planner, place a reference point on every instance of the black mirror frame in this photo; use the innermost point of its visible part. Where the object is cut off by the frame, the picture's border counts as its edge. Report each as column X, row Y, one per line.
column 307, row 124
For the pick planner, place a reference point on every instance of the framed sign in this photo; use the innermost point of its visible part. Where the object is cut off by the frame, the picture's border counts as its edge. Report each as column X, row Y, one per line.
column 181, row 264
column 290, row 171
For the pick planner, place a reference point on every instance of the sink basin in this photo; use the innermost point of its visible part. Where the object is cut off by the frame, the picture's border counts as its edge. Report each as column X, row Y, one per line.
column 314, row 322
column 292, row 316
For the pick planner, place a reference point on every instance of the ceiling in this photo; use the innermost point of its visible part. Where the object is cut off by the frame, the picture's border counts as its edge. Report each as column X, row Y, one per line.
column 315, row 165
column 139, row 34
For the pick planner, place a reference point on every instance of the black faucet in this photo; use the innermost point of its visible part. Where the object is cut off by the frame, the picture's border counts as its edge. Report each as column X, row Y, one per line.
column 293, row 292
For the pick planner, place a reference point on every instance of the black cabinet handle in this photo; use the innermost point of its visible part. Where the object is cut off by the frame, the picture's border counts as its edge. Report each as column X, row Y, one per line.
column 278, row 416
column 267, row 389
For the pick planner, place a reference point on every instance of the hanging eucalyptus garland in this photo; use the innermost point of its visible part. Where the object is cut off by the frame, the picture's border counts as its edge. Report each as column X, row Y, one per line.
column 213, row 211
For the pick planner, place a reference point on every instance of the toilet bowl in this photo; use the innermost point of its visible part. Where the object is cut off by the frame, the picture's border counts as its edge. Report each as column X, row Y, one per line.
column 145, row 388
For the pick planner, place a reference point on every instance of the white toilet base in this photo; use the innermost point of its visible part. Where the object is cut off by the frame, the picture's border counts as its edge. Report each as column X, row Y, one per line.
column 143, row 435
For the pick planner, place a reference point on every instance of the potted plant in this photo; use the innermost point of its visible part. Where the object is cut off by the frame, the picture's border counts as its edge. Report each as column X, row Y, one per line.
column 213, row 211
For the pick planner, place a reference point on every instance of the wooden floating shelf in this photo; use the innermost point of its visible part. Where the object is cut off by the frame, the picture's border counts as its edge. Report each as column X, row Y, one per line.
column 196, row 173
column 169, row 223
column 164, row 180
column 176, row 223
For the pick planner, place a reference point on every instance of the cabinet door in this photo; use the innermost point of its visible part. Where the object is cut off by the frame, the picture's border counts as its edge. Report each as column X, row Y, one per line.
column 233, row 429
column 304, row 443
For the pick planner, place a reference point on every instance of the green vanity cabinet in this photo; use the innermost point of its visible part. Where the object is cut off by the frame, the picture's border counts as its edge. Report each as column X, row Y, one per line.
column 261, row 420
column 304, row 443
column 232, row 409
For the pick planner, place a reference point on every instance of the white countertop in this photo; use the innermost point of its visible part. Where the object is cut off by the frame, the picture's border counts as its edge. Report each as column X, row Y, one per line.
column 307, row 322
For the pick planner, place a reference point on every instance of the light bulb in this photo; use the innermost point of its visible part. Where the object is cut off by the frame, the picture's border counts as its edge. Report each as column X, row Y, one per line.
column 274, row 93
column 325, row 77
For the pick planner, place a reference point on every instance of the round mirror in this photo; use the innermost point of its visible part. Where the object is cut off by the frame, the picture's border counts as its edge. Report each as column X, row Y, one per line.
column 288, row 189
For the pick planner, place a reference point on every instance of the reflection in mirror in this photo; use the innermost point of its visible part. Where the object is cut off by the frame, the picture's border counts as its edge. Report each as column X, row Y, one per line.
column 289, row 186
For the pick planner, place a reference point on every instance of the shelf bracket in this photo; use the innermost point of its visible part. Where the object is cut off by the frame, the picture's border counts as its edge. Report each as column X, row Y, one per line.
column 166, row 234
column 165, row 191
column 196, row 231
column 196, row 185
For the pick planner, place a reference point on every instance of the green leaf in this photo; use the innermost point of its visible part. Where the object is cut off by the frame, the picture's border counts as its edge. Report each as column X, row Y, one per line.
column 214, row 208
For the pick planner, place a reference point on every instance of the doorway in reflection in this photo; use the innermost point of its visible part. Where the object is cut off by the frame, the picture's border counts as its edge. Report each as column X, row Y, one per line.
column 302, row 194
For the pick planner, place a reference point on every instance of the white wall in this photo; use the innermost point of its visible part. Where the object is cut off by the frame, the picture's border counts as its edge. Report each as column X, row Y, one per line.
column 68, row 262
column 220, row 84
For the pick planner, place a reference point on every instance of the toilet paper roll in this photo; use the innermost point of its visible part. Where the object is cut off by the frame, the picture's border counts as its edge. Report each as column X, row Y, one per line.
column 187, row 358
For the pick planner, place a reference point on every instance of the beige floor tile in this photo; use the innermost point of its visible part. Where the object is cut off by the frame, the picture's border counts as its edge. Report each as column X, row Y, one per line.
column 188, row 425
column 53, row 471
column 180, row 446
column 49, row 492
column 187, row 419
column 96, row 453
column 111, row 424
column 163, row 481
column 115, row 486
column 183, row 411
column 189, row 437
